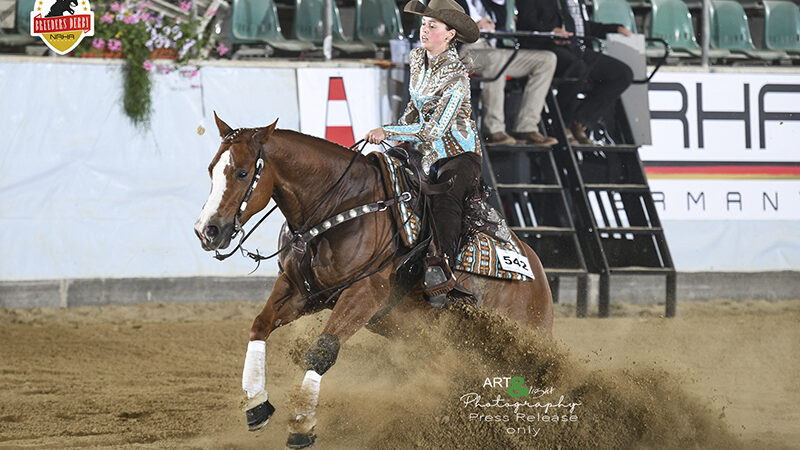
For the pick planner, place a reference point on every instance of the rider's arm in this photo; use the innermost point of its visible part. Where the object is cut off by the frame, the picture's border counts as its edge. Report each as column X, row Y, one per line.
column 410, row 115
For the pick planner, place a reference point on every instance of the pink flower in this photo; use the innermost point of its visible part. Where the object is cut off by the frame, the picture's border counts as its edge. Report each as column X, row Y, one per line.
column 98, row 43
column 107, row 18
column 132, row 19
column 147, row 64
column 210, row 12
column 222, row 49
column 194, row 73
column 114, row 45
column 116, row 7
column 145, row 16
column 186, row 6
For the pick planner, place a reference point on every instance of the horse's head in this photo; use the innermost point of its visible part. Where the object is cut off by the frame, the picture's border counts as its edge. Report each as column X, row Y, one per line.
column 234, row 172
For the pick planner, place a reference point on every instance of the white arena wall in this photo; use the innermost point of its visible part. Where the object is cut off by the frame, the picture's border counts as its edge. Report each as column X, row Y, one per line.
column 87, row 197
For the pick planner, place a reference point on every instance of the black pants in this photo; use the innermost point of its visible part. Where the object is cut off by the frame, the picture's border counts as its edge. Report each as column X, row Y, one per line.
column 608, row 77
column 447, row 208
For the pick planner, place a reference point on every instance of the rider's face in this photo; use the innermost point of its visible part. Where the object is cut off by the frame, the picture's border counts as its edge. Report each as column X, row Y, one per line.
column 434, row 35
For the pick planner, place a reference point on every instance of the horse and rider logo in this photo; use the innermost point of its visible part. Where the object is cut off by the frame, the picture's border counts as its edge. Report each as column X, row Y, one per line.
column 62, row 24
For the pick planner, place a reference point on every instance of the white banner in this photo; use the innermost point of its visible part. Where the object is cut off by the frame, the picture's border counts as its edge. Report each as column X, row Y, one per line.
column 342, row 104
column 726, row 199
column 724, row 117
column 87, row 195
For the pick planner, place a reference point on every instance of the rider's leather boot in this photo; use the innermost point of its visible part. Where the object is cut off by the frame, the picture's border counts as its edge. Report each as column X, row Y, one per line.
column 439, row 279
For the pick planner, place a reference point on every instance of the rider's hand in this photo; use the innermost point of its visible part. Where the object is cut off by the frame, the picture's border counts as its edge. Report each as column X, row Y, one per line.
column 562, row 33
column 624, row 31
column 375, row 136
column 486, row 24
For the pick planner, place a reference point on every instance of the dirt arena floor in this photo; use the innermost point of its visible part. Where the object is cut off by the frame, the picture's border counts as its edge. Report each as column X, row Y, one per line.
column 720, row 375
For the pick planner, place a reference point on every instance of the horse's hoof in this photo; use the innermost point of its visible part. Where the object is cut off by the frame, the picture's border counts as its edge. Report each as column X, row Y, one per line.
column 301, row 440
column 258, row 415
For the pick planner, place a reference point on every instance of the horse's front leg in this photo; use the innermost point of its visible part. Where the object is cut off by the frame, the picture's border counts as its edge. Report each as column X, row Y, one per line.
column 283, row 306
column 356, row 305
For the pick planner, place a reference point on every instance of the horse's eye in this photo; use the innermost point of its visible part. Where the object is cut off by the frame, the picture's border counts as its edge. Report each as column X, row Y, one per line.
column 242, row 174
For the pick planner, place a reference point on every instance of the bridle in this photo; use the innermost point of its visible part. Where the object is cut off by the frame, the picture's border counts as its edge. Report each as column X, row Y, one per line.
column 301, row 238
column 237, row 223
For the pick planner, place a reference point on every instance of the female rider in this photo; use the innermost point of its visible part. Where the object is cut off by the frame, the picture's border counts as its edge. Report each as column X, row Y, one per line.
column 438, row 120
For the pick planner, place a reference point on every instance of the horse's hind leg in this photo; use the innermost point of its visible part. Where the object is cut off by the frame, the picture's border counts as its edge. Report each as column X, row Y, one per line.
column 355, row 307
column 282, row 307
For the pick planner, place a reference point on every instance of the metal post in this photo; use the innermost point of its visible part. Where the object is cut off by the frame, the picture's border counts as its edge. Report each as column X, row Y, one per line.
column 672, row 293
column 604, row 304
column 582, row 296
column 706, row 31
column 327, row 43
column 555, row 287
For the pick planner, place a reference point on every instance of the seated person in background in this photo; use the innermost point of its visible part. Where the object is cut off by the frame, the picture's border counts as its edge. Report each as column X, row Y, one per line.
column 537, row 65
column 609, row 77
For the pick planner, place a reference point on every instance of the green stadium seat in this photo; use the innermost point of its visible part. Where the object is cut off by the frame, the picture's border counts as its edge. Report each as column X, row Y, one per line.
column 23, row 20
column 782, row 26
column 672, row 22
column 309, row 25
column 730, row 30
column 15, row 39
column 614, row 11
column 511, row 14
column 256, row 22
column 22, row 26
column 377, row 21
column 511, row 23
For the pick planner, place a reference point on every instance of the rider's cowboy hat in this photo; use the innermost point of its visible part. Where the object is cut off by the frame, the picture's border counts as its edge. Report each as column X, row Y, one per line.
column 449, row 12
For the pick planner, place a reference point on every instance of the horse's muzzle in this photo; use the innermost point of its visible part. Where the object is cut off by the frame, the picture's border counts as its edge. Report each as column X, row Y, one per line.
column 213, row 236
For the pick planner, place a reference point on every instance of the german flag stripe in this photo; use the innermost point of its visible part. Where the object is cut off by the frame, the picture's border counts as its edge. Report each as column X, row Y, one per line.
column 723, row 171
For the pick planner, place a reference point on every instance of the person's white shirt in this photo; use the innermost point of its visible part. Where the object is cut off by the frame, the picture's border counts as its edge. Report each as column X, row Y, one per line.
column 477, row 11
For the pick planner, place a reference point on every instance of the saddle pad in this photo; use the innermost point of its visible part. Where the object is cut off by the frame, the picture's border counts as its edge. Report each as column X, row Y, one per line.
column 395, row 184
column 480, row 256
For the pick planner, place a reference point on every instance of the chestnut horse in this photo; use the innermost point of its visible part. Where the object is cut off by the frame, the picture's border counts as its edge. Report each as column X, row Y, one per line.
column 298, row 172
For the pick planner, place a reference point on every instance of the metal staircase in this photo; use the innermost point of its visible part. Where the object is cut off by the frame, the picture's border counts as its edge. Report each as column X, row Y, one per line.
column 582, row 209
column 528, row 190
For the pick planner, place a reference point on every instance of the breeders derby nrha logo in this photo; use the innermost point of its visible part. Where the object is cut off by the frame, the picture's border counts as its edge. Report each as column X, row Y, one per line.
column 62, row 24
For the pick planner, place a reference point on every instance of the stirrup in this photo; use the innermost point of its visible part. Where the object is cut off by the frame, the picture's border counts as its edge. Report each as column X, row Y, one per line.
column 438, row 284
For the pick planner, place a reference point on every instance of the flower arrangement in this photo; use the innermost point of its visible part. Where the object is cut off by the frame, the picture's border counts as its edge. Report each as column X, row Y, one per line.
column 130, row 30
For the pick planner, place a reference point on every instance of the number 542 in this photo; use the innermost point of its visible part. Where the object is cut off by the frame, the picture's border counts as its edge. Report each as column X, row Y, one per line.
column 507, row 259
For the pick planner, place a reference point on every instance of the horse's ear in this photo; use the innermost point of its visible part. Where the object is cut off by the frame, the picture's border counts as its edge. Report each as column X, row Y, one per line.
column 223, row 127
column 264, row 133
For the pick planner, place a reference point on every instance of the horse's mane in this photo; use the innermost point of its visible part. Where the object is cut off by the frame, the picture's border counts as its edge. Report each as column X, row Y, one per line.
column 321, row 143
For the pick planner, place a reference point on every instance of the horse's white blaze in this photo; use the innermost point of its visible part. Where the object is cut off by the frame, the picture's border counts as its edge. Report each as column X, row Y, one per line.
column 254, row 374
column 218, row 185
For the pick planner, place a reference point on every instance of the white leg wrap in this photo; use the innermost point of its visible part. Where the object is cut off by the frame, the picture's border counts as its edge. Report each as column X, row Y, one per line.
column 306, row 404
column 310, row 387
column 254, row 376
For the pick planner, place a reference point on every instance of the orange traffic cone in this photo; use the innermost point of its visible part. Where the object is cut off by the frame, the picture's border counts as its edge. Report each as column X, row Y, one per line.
column 338, row 123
